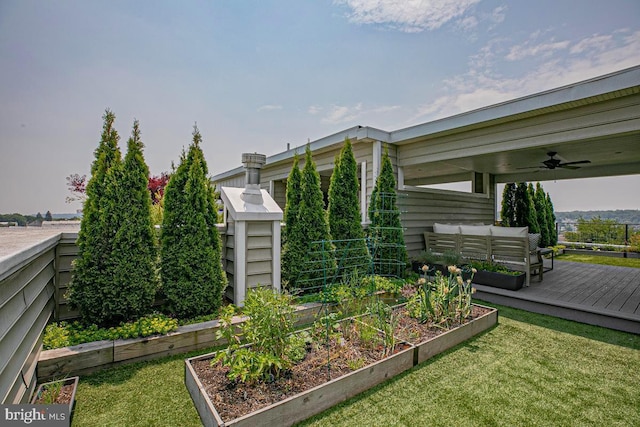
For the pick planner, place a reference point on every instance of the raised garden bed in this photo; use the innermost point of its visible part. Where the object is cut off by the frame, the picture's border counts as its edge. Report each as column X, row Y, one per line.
column 90, row 357
column 309, row 390
column 60, row 392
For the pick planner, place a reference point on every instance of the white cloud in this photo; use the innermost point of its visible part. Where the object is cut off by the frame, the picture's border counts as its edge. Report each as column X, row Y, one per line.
column 499, row 14
column 314, row 109
column 270, row 107
column 545, row 49
column 468, row 23
column 594, row 56
column 596, row 42
column 342, row 114
column 407, row 15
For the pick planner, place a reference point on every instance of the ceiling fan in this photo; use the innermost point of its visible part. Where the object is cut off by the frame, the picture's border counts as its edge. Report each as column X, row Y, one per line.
column 553, row 163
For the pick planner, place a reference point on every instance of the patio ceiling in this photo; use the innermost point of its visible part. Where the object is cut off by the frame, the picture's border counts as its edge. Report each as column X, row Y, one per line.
column 610, row 156
column 596, row 120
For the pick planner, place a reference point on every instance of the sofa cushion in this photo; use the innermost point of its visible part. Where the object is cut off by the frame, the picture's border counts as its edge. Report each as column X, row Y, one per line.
column 534, row 241
column 446, row 228
column 509, row 231
column 475, row 230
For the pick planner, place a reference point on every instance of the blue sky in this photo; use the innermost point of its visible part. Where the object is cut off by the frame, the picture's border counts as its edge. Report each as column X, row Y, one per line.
column 256, row 75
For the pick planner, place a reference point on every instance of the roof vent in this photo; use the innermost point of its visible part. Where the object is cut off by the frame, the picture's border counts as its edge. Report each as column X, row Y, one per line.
column 252, row 162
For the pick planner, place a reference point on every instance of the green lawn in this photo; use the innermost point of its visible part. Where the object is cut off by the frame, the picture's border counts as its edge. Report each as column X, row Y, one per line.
column 529, row 370
column 602, row 260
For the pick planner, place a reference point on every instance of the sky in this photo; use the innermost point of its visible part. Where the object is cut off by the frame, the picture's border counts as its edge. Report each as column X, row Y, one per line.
column 256, row 75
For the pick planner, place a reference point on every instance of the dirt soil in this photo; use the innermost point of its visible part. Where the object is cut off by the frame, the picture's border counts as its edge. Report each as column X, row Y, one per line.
column 63, row 398
column 233, row 399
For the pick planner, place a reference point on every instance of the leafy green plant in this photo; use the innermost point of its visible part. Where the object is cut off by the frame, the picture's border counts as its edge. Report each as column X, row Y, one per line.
column 269, row 330
column 51, row 392
column 493, row 267
column 451, row 257
column 442, row 301
column 428, row 257
column 63, row 334
column 386, row 320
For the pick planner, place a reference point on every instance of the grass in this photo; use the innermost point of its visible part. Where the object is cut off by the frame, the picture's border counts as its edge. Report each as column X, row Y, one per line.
column 529, row 370
column 601, row 260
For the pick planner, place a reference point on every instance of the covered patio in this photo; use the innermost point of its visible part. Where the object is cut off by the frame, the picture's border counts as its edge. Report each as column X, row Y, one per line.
column 600, row 295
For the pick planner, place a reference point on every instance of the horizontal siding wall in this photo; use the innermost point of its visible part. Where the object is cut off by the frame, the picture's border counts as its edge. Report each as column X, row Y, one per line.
column 26, row 303
column 66, row 253
column 259, row 253
column 421, row 208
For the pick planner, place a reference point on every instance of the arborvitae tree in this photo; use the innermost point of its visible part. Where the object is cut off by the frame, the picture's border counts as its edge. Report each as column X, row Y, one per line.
column 95, row 238
column 131, row 265
column 48, row 216
column 507, row 213
column 551, row 222
column 191, row 269
column 291, row 256
column 344, row 214
column 534, row 224
column 525, row 215
column 540, row 203
column 311, row 226
column 389, row 252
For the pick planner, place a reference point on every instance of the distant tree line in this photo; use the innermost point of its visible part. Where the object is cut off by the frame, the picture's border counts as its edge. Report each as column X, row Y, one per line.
column 622, row 216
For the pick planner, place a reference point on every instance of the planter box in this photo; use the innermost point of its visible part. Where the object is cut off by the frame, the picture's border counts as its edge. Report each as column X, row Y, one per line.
column 73, row 381
column 303, row 405
column 500, row 280
column 322, row 397
column 427, row 349
column 86, row 358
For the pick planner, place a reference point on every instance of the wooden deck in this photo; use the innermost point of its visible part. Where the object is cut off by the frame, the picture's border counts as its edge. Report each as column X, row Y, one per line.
column 596, row 294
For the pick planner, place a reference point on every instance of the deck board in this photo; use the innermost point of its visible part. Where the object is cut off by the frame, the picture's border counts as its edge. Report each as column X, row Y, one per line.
column 598, row 294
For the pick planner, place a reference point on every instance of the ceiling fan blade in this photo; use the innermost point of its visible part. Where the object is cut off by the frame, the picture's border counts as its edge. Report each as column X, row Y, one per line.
column 566, row 166
column 575, row 163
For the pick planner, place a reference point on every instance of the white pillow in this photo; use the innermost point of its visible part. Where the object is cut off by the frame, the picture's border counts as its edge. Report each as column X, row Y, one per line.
column 509, row 231
column 475, row 230
column 446, row 228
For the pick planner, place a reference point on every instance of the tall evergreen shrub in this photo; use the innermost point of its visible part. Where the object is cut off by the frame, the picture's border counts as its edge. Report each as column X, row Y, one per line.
column 311, row 226
column 540, row 203
column 551, row 222
column 191, row 269
column 344, row 214
column 508, row 213
column 525, row 215
column 131, row 265
column 291, row 256
column 95, row 238
column 389, row 252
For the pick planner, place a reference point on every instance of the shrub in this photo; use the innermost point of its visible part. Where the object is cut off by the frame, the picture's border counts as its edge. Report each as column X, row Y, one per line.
column 385, row 231
column 291, row 255
column 131, row 264
column 316, row 262
column 95, row 238
column 344, row 215
column 191, row 269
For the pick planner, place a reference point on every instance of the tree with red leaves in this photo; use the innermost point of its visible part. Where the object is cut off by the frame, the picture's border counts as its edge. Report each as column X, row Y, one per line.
column 77, row 185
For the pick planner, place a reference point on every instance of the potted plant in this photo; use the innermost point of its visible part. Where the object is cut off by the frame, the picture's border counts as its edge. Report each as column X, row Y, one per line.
column 426, row 257
column 498, row 276
column 58, row 392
